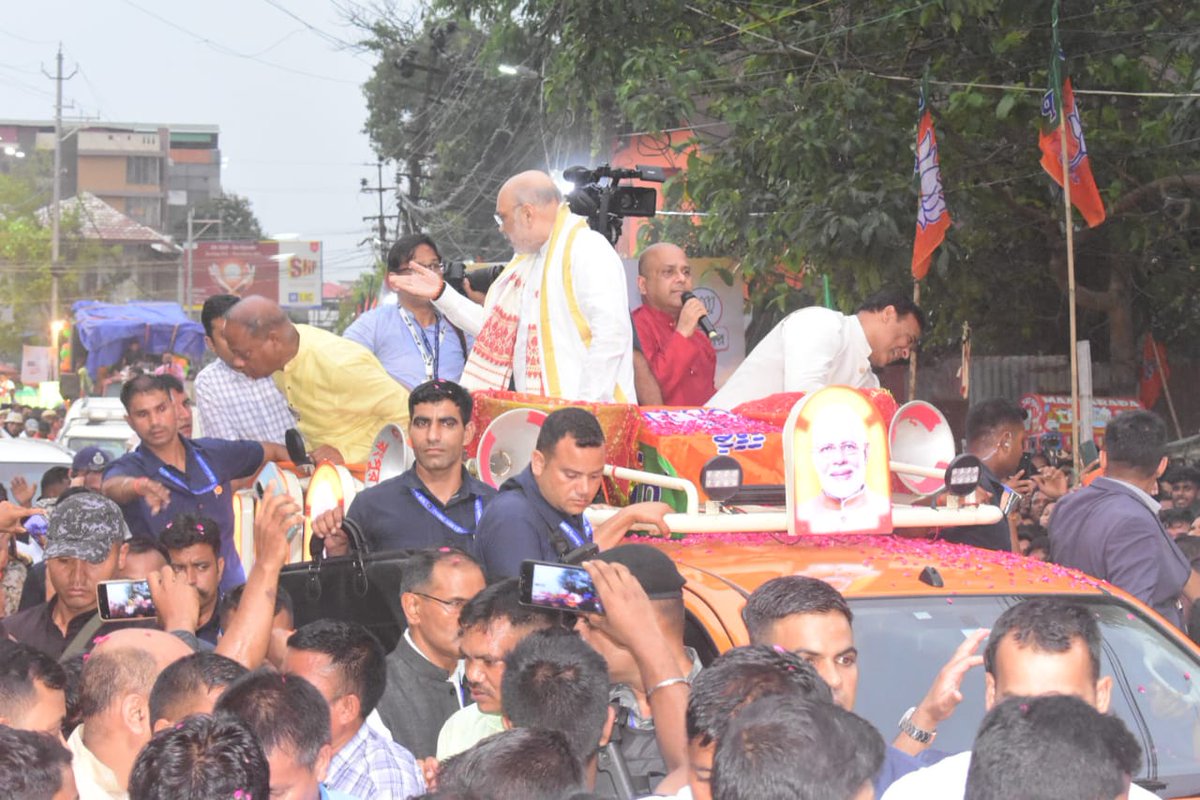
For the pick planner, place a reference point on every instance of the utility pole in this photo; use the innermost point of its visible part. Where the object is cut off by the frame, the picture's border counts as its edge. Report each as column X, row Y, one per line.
column 380, row 219
column 55, row 211
column 184, row 287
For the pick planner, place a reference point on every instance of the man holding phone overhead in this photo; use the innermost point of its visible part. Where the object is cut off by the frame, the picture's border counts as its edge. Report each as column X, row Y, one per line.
column 538, row 514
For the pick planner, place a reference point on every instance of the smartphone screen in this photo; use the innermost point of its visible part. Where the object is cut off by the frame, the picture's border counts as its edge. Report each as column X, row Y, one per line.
column 559, row 586
column 118, row 600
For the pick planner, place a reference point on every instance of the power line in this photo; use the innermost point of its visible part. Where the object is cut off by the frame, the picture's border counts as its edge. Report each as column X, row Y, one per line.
column 224, row 50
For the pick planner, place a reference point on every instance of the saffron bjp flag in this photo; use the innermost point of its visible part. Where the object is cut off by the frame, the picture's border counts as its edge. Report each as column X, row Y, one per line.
column 933, row 218
column 1155, row 372
column 1058, row 104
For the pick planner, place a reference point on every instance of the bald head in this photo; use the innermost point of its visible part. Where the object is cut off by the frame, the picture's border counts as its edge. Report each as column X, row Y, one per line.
column 258, row 314
column 664, row 274
column 533, row 187
column 260, row 337
column 164, row 648
column 526, row 208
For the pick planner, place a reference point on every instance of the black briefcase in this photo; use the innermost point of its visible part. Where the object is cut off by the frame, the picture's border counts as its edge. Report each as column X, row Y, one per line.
column 362, row 587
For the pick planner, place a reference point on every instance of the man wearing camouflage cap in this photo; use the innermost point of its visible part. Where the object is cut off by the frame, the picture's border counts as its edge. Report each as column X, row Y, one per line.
column 85, row 544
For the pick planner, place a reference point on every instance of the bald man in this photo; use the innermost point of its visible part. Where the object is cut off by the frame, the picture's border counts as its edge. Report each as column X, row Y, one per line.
column 556, row 321
column 680, row 354
column 114, row 699
column 340, row 392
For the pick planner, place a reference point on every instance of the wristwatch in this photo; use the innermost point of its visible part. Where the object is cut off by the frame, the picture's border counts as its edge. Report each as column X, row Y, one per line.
column 918, row 735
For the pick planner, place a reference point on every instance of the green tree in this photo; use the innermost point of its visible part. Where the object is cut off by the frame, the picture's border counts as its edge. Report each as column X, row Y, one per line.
column 805, row 117
column 238, row 221
column 25, row 259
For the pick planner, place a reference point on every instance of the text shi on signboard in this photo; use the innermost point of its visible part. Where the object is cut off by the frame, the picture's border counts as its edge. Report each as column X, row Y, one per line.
column 287, row 272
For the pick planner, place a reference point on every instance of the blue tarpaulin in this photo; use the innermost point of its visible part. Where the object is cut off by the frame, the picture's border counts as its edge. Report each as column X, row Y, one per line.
column 105, row 330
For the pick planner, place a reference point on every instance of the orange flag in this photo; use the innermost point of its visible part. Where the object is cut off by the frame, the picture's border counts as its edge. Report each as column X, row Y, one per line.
column 933, row 218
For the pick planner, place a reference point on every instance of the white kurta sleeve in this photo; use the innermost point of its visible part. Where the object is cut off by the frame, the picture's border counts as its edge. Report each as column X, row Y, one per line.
column 464, row 313
column 598, row 278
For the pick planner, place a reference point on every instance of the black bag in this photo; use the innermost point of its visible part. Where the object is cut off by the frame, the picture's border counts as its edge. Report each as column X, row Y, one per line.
column 361, row 587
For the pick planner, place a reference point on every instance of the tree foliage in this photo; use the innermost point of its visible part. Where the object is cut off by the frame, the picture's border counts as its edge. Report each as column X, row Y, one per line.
column 805, row 118
column 238, row 221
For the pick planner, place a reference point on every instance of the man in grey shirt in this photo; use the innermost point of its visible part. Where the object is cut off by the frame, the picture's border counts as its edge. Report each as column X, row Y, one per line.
column 1111, row 530
column 424, row 682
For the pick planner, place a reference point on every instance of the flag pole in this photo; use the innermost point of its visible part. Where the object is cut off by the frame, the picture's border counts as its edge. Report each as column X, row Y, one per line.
column 1066, row 183
column 912, row 355
column 1162, row 376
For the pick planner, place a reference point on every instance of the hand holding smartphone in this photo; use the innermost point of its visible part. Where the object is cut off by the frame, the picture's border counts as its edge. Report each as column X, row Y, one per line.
column 124, row 600
column 562, row 587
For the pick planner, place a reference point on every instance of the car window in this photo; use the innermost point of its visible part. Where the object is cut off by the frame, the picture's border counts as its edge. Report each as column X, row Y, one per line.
column 114, row 447
column 903, row 643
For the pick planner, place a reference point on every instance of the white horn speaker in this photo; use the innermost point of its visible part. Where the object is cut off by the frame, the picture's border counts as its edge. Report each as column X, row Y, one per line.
column 919, row 435
column 390, row 456
column 507, row 444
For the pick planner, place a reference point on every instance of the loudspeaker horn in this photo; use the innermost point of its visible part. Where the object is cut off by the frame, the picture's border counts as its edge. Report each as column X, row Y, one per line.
column 507, row 444
column 920, row 435
column 390, row 456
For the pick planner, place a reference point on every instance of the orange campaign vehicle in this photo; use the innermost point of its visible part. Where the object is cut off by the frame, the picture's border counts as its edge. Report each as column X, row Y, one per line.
column 812, row 486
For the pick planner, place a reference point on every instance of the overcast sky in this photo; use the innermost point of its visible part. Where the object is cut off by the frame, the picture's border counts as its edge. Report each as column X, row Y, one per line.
column 287, row 99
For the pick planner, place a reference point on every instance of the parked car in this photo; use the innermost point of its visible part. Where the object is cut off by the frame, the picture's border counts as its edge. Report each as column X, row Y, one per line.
column 100, row 422
column 30, row 458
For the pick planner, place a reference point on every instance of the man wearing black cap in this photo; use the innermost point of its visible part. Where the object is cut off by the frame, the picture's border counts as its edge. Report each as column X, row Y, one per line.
column 539, row 514
column 87, row 468
column 648, row 664
column 85, row 544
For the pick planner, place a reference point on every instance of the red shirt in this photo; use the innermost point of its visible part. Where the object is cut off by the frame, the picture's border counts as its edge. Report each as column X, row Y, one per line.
column 685, row 368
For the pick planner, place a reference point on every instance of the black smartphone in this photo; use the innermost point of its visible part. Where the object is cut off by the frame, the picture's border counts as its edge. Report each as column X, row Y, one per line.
column 124, row 599
column 563, row 587
column 1026, row 465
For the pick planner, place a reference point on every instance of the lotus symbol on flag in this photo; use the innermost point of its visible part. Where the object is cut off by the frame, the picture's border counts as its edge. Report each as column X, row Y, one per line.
column 933, row 202
column 232, row 276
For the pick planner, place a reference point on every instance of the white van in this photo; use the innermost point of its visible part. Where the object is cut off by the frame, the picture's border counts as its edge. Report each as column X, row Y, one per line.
column 99, row 422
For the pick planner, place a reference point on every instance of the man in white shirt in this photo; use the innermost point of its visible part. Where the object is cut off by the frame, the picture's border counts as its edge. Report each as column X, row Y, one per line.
column 816, row 347
column 556, row 322
column 1038, row 647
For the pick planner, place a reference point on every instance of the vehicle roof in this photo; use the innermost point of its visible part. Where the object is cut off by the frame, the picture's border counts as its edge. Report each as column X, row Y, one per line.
column 33, row 451
column 721, row 569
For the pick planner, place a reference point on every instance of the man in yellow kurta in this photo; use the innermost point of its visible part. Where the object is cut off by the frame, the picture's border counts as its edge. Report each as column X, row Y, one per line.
column 340, row 391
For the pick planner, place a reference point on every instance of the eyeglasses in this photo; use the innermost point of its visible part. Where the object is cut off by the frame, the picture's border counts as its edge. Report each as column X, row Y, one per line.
column 450, row 605
column 436, row 266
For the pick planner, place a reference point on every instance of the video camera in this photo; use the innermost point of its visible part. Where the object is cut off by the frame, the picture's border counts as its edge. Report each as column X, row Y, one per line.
column 455, row 274
column 599, row 196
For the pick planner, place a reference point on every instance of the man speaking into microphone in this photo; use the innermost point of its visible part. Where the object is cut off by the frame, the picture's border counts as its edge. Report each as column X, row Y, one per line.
column 671, row 325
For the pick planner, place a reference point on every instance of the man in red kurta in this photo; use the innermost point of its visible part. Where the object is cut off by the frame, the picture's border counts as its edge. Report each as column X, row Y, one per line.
column 680, row 354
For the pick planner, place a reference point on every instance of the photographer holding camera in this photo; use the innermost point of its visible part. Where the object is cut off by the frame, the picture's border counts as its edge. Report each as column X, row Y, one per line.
column 556, row 322
column 412, row 339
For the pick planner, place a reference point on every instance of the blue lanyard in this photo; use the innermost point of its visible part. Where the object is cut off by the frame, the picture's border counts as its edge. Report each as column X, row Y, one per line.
column 213, row 483
column 442, row 518
column 573, row 535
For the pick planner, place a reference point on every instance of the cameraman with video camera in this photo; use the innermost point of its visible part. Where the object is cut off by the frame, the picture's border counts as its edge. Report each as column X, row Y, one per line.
column 556, row 322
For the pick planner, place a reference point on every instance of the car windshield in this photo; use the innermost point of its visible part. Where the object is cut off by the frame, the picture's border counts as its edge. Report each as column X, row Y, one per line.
column 903, row 643
column 114, row 447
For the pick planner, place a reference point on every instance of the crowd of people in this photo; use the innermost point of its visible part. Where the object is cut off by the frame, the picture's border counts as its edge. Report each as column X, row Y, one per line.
column 223, row 692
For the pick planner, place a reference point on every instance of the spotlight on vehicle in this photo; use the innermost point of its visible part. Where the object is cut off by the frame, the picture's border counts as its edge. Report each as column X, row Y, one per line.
column 721, row 478
column 963, row 474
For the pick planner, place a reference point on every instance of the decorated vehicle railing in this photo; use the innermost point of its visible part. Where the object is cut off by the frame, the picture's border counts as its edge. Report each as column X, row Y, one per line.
column 836, row 461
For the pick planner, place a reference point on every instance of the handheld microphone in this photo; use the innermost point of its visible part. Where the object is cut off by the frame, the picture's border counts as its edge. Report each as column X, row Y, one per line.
column 705, row 325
